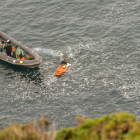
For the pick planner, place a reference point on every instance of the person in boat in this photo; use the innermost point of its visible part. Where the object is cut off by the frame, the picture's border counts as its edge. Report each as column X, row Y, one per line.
column 63, row 62
column 30, row 57
column 1, row 47
column 22, row 57
column 14, row 51
column 19, row 53
column 2, row 42
column 8, row 48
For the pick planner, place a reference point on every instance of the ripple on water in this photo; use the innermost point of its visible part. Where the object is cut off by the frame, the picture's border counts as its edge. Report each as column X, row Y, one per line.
column 99, row 40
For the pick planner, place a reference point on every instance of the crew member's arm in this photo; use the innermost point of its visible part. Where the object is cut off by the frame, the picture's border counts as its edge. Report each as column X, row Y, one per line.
column 4, row 46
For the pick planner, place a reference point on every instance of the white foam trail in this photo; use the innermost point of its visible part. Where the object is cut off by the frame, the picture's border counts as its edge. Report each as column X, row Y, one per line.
column 48, row 52
column 37, row 49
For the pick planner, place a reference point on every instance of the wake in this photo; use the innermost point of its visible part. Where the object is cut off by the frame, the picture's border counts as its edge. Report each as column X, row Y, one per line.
column 49, row 52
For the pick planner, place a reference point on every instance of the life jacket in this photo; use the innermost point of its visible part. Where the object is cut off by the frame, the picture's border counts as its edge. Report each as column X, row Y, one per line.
column 63, row 62
column 23, row 58
column 6, row 45
column 13, row 48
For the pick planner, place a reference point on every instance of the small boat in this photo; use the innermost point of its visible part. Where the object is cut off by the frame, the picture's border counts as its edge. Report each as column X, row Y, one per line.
column 27, row 51
column 61, row 69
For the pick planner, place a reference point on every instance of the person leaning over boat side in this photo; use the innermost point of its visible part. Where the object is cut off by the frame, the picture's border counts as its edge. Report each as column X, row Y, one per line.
column 19, row 53
column 8, row 47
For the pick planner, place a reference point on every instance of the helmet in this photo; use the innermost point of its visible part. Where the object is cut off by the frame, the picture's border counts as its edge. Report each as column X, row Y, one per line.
column 8, row 41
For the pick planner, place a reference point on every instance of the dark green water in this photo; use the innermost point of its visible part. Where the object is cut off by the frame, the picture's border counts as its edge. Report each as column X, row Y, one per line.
column 100, row 39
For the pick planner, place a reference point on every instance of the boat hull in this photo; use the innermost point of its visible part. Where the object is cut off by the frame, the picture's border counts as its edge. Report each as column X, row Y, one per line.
column 61, row 69
column 28, row 63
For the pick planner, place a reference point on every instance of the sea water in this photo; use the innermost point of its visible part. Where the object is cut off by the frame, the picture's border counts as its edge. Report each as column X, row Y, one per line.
column 100, row 39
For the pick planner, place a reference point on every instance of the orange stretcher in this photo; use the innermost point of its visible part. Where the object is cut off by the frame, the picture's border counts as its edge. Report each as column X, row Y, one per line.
column 61, row 69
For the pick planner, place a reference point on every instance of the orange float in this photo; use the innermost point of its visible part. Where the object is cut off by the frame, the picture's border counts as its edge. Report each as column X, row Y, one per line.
column 61, row 69
column 13, row 48
column 23, row 58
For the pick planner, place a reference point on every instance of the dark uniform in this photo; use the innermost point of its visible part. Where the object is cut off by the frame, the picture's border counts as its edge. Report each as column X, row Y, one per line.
column 64, row 62
column 8, row 48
